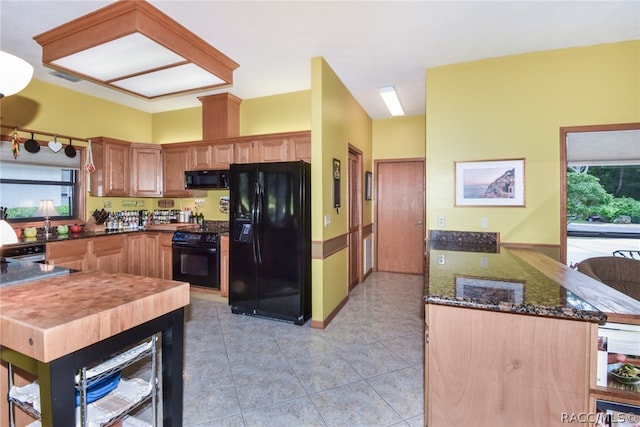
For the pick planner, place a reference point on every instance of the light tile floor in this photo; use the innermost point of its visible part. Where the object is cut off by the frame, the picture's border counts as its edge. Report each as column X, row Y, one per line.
column 365, row 369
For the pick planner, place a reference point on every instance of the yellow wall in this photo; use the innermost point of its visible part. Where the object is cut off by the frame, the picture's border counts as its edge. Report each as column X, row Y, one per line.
column 337, row 120
column 513, row 107
column 49, row 108
column 278, row 113
column 399, row 138
column 177, row 126
column 285, row 112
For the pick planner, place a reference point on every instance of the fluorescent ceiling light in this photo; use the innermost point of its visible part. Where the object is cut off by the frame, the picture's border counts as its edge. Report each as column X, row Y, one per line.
column 391, row 100
column 133, row 47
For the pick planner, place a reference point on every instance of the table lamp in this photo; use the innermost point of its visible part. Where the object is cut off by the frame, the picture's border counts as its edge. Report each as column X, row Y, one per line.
column 46, row 209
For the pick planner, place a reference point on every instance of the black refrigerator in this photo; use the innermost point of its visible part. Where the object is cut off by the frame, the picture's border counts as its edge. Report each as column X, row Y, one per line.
column 270, row 242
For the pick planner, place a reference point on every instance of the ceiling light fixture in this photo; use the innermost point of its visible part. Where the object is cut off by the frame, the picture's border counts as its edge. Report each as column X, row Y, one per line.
column 391, row 100
column 133, row 47
column 15, row 74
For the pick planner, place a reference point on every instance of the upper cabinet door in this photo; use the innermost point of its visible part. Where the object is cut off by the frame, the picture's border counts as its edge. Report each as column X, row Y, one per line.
column 270, row 150
column 201, row 157
column 112, row 176
column 175, row 161
column 222, row 155
column 146, row 171
column 300, row 147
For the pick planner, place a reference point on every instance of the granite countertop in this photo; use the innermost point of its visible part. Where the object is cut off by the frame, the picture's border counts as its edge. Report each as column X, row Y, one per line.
column 41, row 238
column 491, row 277
column 15, row 272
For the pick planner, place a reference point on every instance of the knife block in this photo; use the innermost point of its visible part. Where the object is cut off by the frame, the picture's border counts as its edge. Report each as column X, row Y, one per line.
column 92, row 226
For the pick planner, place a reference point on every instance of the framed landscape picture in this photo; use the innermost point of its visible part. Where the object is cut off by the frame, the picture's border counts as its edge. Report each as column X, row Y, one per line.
column 490, row 183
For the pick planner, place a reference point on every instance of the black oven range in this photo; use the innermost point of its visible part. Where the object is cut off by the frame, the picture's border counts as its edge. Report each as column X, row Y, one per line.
column 196, row 258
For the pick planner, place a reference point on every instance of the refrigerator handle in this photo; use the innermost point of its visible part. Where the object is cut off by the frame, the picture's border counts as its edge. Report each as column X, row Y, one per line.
column 254, row 221
column 258, row 229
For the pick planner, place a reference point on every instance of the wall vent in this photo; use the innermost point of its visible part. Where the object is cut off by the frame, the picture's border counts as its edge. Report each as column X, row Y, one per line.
column 65, row 76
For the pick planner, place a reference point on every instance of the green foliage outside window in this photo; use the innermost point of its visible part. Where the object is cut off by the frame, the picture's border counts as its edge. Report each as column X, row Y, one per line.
column 588, row 198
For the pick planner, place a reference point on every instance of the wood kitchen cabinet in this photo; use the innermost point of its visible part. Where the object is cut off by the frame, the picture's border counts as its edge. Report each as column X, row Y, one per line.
column 281, row 147
column 224, row 265
column 208, row 155
column 72, row 254
column 261, row 150
column 299, row 146
column 112, row 160
column 142, row 253
column 108, row 254
column 176, row 160
column 165, row 257
column 146, row 170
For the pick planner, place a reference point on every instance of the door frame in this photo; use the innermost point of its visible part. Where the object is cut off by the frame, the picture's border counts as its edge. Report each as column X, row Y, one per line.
column 352, row 150
column 376, row 164
column 564, row 131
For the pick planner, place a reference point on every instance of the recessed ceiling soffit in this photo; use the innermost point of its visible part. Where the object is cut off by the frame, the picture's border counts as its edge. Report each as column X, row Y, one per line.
column 133, row 47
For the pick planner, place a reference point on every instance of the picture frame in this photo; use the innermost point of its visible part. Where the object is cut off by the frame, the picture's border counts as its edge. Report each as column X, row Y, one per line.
column 368, row 183
column 480, row 288
column 490, row 183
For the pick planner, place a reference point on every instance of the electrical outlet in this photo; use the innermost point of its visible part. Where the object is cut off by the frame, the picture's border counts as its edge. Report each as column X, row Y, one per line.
column 441, row 221
column 441, row 259
column 484, row 222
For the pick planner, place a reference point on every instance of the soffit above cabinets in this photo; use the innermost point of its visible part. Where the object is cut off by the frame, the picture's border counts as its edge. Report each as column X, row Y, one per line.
column 133, row 47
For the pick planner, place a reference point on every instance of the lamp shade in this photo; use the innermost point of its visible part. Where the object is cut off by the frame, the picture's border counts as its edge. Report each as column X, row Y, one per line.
column 15, row 74
column 46, row 209
column 7, row 235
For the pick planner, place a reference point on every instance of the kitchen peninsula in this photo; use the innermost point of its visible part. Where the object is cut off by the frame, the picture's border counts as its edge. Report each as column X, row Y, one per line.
column 512, row 336
column 53, row 327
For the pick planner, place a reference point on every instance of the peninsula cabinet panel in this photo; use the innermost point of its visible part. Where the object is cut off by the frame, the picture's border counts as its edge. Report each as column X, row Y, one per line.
column 146, row 171
column 504, row 369
column 175, row 161
column 108, row 254
column 111, row 158
column 72, row 254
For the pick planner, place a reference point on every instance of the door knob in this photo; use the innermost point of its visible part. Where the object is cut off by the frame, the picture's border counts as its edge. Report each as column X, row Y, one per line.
column 419, row 224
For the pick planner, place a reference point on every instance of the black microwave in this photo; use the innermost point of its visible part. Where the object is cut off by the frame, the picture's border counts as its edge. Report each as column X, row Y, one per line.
column 206, row 179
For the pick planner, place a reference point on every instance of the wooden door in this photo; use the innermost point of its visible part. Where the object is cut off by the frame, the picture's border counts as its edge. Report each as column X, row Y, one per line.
column 355, row 217
column 400, row 204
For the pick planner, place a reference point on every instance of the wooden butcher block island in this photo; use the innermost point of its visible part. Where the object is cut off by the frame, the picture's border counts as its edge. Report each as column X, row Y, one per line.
column 55, row 326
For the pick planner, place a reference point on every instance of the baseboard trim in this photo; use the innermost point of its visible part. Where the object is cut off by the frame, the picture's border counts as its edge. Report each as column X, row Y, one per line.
column 321, row 324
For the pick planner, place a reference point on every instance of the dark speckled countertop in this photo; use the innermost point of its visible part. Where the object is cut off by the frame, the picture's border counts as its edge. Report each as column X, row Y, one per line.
column 490, row 277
